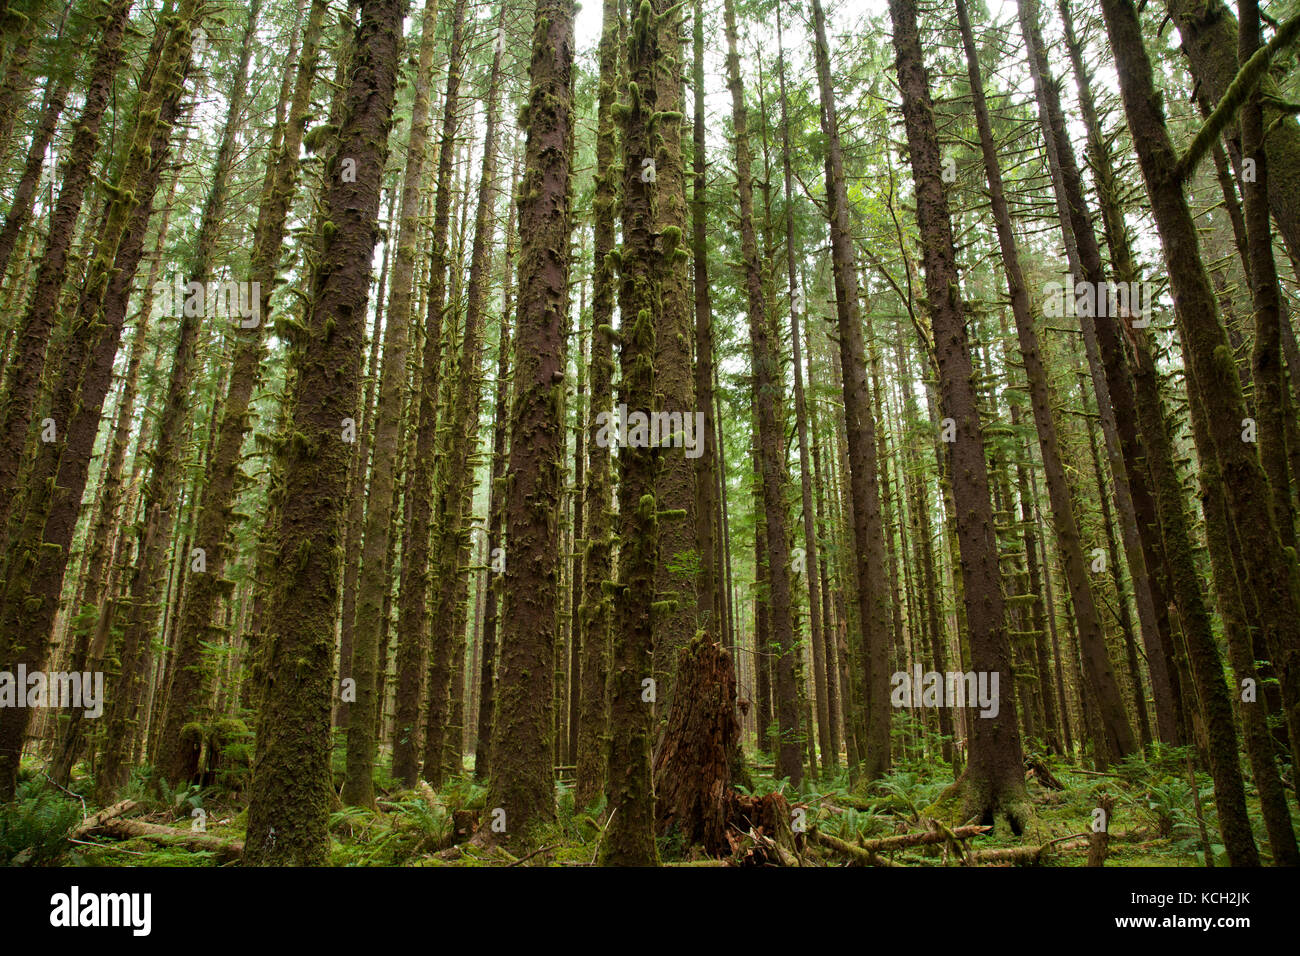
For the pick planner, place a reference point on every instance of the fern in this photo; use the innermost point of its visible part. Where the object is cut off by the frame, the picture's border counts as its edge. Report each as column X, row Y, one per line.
column 33, row 829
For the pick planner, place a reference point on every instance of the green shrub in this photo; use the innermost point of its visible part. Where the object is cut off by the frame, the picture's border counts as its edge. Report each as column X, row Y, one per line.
column 33, row 829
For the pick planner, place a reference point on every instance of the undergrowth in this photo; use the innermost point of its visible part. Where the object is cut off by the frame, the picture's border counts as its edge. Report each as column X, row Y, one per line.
column 1154, row 821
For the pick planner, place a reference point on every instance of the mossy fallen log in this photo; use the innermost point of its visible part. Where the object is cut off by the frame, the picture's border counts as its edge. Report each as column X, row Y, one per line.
column 225, row 850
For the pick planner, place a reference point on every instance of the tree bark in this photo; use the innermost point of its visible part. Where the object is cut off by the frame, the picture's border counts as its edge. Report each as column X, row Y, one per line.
column 768, row 388
column 23, row 373
column 461, row 443
column 597, row 564
column 872, row 589
column 1092, row 636
column 1214, row 382
column 523, row 729
column 413, row 616
column 292, row 787
column 629, row 830
column 994, row 780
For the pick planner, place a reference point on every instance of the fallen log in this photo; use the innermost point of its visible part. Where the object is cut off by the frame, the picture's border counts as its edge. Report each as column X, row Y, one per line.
column 97, row 820
column 1013, row 855
column 169, row 836
column 868, row 850
column 936, row 835
column 855, row 853
column 1027, row 855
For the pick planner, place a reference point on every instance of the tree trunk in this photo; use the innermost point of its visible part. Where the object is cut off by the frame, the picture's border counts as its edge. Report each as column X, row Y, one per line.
column 1216, row 383
column 994, row 780
column 692, row 761
column 292, row 787
column 1092, row 636
column 413, row 611
column 765, row 363
column 522, row 732
column 676, row 575
column 860, row 426
column 629, row 829
column 1107, row 355
column 169, row 440
column 496, row 511
column 461, row 443
column 23, row 372
column 1209, row 35
column 810, row 550
column 597, row 566
column 710, row 587
column 373, row 585
column 38, row 558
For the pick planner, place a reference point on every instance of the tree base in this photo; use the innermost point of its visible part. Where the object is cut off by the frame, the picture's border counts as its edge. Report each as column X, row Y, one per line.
column 966, row 801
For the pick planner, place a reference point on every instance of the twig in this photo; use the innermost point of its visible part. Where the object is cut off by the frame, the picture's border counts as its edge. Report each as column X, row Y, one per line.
column 533, row 854
column 69, row 793
column 106, row 846
column 1072, row 836
column 601, row 835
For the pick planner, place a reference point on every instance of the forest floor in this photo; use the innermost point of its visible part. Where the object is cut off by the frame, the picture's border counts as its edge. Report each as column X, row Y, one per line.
column 1155, row 822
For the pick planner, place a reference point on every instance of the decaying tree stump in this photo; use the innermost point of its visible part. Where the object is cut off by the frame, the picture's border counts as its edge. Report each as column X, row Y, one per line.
column 1036, row 767
column 761, row 830
column 693, row 759
column 1099, row 839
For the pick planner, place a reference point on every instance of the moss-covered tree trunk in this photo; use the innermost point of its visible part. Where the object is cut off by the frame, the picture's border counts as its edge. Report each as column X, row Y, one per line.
column 1272, row 404
column 38, row 557
column 412, row 609
column 1217, row 430
column 373, row 584
column 496, row 509
column 810, row 550
column 868, row 537
column 22, row 380
column 460, row 446
column 827, row 636
column 597, row 566
column 677, row 572
column 1092, row 636
column 24, row 194
column 1209, row 34
column 291, row 787
column 629, row 832
column 170, row 438
column 1107, row 354
column 994, row 780
column 1228, row 566
column 21, row 27
column 710, row 590
column 523, row 729
column 768, row 388
column 358, row 500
